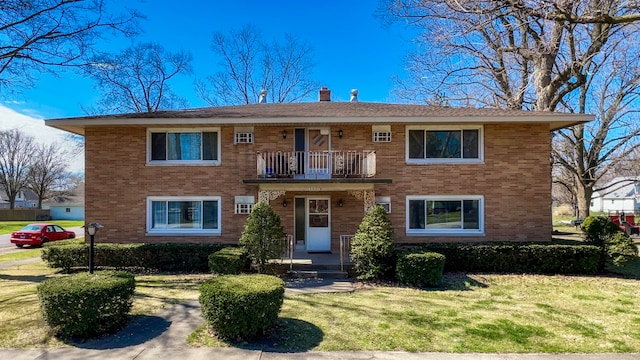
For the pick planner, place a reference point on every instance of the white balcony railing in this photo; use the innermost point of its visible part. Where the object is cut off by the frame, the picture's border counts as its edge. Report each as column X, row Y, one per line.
column 316, row 165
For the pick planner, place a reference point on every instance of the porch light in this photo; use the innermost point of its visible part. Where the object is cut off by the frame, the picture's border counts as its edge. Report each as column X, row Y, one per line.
column 340, row 203
column 284, row 134
column 92, row 229
column 284, row 203
column 340, row 133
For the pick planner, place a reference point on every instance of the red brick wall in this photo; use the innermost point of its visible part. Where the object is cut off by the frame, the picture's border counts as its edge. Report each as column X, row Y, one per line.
column 514, row 180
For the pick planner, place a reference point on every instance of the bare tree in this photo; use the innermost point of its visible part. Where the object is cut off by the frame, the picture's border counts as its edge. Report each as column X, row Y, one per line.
column 16, row 156
column 38, row 34
column 48, row 171
column 137, row 79
column 539, row 55
column 250, row 64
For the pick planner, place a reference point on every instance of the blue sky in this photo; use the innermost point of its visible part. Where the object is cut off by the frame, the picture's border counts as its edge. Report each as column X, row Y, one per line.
column 352, row 48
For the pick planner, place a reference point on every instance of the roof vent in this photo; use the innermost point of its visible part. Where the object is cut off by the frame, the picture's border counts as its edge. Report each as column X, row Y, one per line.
column 325, row 94
column 263, row 97
column 354, row 95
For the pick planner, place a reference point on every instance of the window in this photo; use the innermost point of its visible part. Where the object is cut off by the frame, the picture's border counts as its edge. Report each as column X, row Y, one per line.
column 385, row 201
column 186, row 146
column 455, row 215
column 381, row 133
column 183, row 215
column 243, row 135
column 244, row 204
column 67, row 210
column 444, row 144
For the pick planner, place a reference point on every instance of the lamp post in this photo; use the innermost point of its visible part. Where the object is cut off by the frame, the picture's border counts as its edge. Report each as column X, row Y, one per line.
column 92, row 228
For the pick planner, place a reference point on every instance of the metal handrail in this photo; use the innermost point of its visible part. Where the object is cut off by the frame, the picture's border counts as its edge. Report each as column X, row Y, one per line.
column 345, row 248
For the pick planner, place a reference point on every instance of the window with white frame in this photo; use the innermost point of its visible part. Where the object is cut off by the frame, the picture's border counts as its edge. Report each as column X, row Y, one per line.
column 456, row 215
column 190, row 215
column 385, row 202
column 184, row 146
column 381, row 133
column 243, row 135
column 244, row 204
column 429, row 144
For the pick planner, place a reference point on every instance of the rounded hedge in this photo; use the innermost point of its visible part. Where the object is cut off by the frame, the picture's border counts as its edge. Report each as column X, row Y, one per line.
column 420, row 269
column 241, row 306
column 86, row 305
column 230, row 260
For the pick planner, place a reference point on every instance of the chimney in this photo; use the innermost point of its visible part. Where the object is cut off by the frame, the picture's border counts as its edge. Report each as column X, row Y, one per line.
column 263, row 97
column 325, row 94
column 354, row 95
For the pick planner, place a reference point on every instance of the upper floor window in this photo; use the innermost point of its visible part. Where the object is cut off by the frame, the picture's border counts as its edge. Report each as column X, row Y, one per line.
column 381, row 133
column 184, row 146
column 444, row 144
column 243, row 135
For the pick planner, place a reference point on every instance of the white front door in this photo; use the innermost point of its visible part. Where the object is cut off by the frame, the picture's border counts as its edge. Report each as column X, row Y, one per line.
column 318, row 224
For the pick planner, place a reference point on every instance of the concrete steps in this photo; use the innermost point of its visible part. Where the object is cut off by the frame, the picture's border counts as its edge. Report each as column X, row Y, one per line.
column 318, row 274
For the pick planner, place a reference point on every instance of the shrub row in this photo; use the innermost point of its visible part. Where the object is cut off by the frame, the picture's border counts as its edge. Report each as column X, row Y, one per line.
column 85, row 305
column 241, row 306
column 420, row 269
column 156, row 257
column 514, row 258
column 230, row 260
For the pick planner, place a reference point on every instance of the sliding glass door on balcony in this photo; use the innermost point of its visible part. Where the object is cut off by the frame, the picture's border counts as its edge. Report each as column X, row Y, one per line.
column 314, row 145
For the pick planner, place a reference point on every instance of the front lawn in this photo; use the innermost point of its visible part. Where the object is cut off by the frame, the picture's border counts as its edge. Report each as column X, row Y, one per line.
column 7, row 227
column 472, row 313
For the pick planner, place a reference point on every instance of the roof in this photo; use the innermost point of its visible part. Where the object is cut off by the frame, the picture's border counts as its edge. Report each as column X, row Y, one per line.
column 324, row 112
column 619, row 188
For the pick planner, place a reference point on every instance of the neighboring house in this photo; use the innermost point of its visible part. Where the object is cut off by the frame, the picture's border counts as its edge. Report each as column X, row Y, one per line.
column 67, row 207
column 445, row 174
column 621, row 194
column 24, row 199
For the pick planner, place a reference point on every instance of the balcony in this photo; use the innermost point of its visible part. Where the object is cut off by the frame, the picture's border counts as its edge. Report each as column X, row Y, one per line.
column 316, row 165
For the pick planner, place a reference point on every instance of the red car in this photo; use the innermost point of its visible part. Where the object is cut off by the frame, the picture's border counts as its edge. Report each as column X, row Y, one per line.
column 37, row 234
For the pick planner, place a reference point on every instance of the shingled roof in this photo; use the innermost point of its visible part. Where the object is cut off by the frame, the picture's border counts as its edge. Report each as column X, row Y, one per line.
column 320, row 112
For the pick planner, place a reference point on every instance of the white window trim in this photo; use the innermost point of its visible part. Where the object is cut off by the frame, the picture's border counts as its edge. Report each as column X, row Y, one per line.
column 184, row 162
column 479, row 160
column 445, row 232
column 182, row 232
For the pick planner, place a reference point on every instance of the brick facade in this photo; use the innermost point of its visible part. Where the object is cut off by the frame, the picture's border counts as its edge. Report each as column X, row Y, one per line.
column 514, row 180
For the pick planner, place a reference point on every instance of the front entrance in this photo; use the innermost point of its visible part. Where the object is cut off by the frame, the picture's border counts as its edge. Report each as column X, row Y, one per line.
column 313, row 223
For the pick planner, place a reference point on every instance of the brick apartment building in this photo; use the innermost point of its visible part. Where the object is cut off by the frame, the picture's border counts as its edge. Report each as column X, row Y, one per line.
column 444, row 174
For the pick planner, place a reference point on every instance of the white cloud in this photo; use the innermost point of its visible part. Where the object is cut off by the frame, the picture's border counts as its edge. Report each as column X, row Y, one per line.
column 10, row 119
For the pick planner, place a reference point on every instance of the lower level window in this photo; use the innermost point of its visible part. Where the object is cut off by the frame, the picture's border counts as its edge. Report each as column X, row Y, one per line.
column 457, row 215
column 183, row 215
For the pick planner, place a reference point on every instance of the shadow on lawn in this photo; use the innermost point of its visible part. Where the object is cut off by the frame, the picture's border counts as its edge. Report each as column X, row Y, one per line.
column 25, row 278
column 288, row 335
column 459, row 281
column 138, row 331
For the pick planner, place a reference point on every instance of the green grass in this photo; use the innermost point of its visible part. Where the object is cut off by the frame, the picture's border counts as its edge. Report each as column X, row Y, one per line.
column 472, row 313
column 21, row 254
column 7, row 227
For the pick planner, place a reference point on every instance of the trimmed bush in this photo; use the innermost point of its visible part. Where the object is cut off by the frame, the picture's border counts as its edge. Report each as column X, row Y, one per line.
column 420, row 269
column 230, row 260
column 621, row 249
column 153, row 257
column 86, row 305
column 515, row 258
column 241, row 306
column 373, row 246
column 263, row 235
